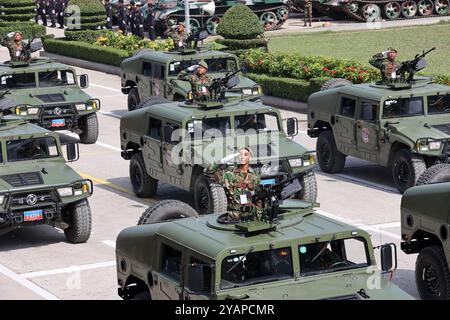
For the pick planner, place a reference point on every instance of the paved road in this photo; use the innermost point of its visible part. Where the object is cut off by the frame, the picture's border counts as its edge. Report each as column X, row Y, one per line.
column 37, row 263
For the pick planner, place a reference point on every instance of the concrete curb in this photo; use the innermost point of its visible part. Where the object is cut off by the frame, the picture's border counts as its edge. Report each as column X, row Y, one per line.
column 280, row 103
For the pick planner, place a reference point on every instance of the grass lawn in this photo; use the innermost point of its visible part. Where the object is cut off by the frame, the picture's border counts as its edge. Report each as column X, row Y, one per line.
column 361, row 45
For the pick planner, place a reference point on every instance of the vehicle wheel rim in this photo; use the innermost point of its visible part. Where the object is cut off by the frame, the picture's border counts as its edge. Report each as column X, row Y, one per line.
column 409, row 9
column 403, row 173
column 425, row 7
column 371, row 12
column 204, row 199
column 392, row 10
column 171, row 21
column 431, row 279
column 325, row 154
column 269, row 20
column 195, row 25
column 211, row 25
column 282, row 14
column 353, row 7
column 442, row 7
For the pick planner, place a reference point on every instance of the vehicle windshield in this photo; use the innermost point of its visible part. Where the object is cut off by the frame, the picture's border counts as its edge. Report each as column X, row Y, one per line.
column 439, row 104
column 256, row 267
column 332, row 256
column 199, row 129
column 31, row 149
column 56, row 78
column 216, row 65
column 403, row 107
column 18, row 81
column 266, row 122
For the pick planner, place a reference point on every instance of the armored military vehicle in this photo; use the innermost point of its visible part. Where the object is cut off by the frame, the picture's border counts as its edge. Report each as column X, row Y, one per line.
column 292, row 253
column 37, row 186
column 50, row 95
column 403, row 124
column 373, row 10
column 154, row 73
column 425, row 225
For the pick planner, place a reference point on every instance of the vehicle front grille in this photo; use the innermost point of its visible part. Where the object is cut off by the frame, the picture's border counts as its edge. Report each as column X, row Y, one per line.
column 23, row 179
column 445, row 128
column 29, row 200
column 58, row 111
column 49, row 98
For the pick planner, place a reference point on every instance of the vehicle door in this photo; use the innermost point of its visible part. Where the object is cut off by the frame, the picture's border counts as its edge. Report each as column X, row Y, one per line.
column 159, row 78
column 367, row 129
column 167, row 278
column 172, row 166
column 344, row 127
column 144, row 81
column 199, row 275
column 151, row 150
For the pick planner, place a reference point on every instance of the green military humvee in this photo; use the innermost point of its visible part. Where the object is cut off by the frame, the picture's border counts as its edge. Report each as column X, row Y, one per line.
column 50, row 95
column 299, row 255
column 154, row 73
column 425, row 225
column 36, row 184
column 405, row 126
column 173, row 142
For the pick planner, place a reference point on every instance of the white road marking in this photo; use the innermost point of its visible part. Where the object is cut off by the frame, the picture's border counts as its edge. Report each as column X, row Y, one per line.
column 109, row 243
column 27, row 283
column 70, row 269
column 104, row 145
column 362, row 181
column 103, row 87
column 108, row 113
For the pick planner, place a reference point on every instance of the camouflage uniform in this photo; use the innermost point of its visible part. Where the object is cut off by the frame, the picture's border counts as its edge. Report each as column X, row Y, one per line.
column 307, row 11
column 16, row 53
column 179, row 39
column 323, row 262
column 387, row 67
column 237, row 184
column 199, row 84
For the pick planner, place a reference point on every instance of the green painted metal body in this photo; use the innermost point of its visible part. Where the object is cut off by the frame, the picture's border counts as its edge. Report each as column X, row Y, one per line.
column 164, row 83
column 49, row 174
column 139, row 248
column 382, row 136
column 46, row 98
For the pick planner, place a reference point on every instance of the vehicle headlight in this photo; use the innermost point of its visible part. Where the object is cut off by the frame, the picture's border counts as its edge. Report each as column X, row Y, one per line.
column 80, row 107
column 247, row 92
column 22, row 110
column 435, row 145
column 257, row 90
column 309, row 159
column 65, row 192
column 2, row 199
column 91, row 105
column 295, row 163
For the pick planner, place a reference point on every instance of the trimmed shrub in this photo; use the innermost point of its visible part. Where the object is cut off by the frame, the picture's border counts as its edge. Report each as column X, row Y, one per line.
column 92, row 15
column 89, row 36
column 29, row 29
column 20, row 10
column 240, row 22
column 233, row 44
column 86, row 51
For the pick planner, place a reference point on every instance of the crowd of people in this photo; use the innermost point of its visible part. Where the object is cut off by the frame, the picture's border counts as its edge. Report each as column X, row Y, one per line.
column 52, row 10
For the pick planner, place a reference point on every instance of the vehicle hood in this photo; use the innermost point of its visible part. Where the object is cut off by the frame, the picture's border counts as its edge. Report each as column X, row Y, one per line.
column 340, row 287
column 433, row 127
column 43, row 96
column 57, row 173
column 244, row 83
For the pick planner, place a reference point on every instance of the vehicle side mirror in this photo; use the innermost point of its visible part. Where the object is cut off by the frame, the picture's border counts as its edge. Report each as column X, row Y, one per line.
column 292, row 127
column 72, row 152
column 84, row 81
column 388, row 256
column 196, row 280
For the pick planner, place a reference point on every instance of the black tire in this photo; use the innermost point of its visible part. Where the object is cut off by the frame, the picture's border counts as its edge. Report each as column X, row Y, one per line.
column 407, row 168
column 432, row 274
column 133, row 99
column 144, row 186
column 90, row 129
column 309, row 187
column 435, row 174
column 335, row 83
column 330, row 159
column 144, row 295
column 209, row 197
column 80, row 222
column 167, row 210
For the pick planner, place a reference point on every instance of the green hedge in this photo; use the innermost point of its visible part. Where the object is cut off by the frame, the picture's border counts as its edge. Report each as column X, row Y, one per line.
column 288, row 88
column 16, row 3
column 84, row 35
column 29, row 29
column 92, row 12
column 234, row 44
column 12, row 10
column 240, row 22
column 17, row 10
column 86, row 51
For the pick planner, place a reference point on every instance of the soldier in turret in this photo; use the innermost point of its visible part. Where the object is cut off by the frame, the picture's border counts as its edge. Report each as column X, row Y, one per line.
column 179, row 37
column 16, row 47
column 200, row 81
column 385, row 61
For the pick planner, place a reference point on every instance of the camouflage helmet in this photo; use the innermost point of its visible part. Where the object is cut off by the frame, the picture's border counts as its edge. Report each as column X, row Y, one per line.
column 390, row 49
column 181, row 24
column 203, row 64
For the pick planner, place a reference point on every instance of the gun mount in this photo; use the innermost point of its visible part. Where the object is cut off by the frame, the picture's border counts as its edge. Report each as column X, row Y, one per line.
column 409, row 68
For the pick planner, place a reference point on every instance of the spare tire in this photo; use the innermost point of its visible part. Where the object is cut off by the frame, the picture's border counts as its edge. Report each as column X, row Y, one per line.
column 435, row 174
column 335, row 83
column 152, row 101
column 167, row 210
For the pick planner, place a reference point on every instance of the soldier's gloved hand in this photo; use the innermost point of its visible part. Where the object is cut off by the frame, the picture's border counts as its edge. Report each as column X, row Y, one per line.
column 229, row 158
column 10, row 35
column 193, row 68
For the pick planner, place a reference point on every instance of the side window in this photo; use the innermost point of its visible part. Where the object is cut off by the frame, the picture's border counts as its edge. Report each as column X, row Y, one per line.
column 155, row 128
column 147, row 69
column 369, row 111
column 159, row 72
column 207, row 273
column 171, row 262
column 348, row 107
column 170, row 129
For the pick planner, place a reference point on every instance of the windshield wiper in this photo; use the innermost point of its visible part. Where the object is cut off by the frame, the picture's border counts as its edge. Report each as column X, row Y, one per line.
column 439, row 100
column 241, row 258
column 4, row 93
column 324, row 247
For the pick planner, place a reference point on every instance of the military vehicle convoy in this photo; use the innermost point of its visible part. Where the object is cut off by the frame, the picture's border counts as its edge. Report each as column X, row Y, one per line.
column 154, row 73
column 292, row 253
column 403, row 126
column 37, row 186
column 50, row 95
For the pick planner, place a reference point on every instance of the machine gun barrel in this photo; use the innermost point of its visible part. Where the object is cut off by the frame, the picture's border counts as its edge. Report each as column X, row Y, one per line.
column 411, row 66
